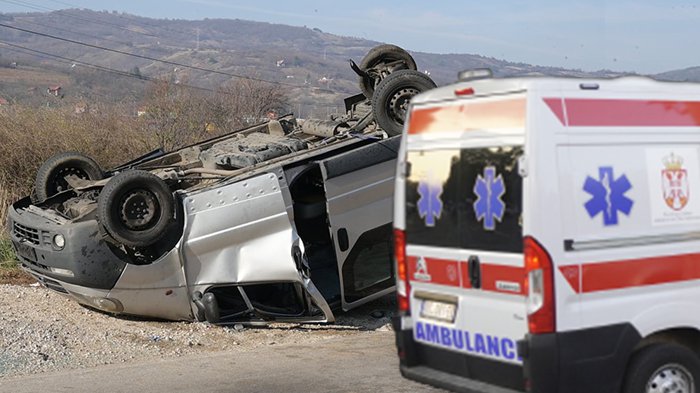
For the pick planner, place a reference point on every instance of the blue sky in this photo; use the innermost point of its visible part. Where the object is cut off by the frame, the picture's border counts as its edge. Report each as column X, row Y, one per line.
column 642, row 36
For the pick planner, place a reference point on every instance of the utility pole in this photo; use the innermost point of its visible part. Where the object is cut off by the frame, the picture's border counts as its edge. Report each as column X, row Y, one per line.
column 197, row 48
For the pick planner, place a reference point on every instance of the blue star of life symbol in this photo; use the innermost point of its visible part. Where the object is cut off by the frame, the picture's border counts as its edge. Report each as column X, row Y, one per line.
column 489, row 206
column 608, row 195
column 429, row 204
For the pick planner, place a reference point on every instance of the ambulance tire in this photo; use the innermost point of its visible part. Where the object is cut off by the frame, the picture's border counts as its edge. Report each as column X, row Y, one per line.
column 390, row 100
column 663, row 365
column 383, row 54
column 136, row 208
column 51, row 176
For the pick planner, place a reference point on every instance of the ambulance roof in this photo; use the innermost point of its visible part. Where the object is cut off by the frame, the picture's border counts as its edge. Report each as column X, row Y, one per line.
column 497, row 86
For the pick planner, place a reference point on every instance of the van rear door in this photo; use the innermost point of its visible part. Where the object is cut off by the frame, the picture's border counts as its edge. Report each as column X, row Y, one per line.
column 463, row 232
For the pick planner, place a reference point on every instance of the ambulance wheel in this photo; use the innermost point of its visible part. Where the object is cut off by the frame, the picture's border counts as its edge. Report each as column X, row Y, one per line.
column 390, row 100
column 51, row 176
column 377, row 64
column 661, row 368
column 136, row 208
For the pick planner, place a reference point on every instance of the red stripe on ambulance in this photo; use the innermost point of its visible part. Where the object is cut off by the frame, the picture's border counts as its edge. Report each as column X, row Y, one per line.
column 605, row 276
column 434, row 271
column 499, row 277
column 582, row 112
column 495, row 278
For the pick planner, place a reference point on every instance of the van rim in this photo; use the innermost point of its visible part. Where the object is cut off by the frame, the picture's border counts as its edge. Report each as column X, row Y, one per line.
column 671, row 378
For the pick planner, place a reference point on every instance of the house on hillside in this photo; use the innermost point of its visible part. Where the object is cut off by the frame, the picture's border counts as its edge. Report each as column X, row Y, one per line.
column 55, row 91
column 4, row 102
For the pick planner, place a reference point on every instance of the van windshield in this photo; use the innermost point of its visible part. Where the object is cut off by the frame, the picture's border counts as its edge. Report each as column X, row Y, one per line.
column 465, row 198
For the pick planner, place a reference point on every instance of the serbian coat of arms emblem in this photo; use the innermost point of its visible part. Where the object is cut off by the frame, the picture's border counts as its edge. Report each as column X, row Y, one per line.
column 674, row 182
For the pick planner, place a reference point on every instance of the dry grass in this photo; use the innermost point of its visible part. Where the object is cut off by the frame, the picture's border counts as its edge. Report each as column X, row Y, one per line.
column 30, row 135
column 6, row 199
column 10, row 273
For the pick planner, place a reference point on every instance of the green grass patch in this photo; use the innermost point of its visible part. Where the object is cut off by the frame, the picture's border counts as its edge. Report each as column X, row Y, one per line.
column 8, row 259
column 10, row 272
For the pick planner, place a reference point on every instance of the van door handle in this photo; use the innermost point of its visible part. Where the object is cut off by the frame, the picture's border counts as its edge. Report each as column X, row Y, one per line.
column 343, row 241
column 474, row 266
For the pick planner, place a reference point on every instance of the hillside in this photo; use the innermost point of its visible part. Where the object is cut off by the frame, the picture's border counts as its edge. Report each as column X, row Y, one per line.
column 312, row 64
column 691, row 74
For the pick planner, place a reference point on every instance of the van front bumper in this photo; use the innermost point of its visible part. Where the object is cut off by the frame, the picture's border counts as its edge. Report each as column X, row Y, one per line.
column 84, row 260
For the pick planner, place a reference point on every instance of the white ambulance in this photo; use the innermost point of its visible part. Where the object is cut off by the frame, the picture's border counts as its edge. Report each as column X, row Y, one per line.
column 547, row 236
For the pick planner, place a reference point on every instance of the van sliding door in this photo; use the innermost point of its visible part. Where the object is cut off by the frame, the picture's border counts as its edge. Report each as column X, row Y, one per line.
column 359, row 188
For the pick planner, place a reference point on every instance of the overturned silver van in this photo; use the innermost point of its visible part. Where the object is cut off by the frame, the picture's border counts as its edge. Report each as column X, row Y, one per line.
column 282, row 221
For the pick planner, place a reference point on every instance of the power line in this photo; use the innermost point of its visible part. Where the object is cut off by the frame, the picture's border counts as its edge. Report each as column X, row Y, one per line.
column 113, row 71
column 73, row 61
column 25, row 52
column 42, row 8
column 145, row 57
column 101, row 21
column 124, row 73
column 128, row 19
column 71, row 32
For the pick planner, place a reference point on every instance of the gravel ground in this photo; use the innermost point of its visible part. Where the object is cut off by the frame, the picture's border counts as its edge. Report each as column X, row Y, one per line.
column 42, row 331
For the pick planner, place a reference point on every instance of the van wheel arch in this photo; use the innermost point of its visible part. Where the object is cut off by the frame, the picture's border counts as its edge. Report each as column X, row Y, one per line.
column 687, row 337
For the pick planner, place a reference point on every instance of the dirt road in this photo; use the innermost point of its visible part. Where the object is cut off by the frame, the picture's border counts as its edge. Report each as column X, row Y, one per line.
column 48, row 342
column 338, row 364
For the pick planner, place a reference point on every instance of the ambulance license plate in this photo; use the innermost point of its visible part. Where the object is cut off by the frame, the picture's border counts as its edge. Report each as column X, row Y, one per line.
column 439, row 311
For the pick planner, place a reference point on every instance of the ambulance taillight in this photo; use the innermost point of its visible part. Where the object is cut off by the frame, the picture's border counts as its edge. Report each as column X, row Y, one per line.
column 539, row 284
column 403, row 287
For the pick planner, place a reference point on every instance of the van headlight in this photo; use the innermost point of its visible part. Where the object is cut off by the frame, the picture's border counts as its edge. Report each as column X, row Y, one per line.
column 59, row 241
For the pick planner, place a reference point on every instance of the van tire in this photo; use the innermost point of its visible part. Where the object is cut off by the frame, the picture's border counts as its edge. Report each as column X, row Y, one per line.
column 136, row 208
column 382, row 54
column 662, row 363
column 50, row 178
column 390, row 100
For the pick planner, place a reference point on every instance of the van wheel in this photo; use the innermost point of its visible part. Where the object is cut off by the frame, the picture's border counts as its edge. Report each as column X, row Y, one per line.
column 390, row 101
column 661, row 368
column 136, row 208
column 379, row 62
column 51, row 176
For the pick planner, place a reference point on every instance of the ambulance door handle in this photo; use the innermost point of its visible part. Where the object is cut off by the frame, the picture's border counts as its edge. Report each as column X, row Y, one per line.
column 474, row 271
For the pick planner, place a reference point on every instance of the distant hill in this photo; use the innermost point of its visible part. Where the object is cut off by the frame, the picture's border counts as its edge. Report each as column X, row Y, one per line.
column 311, row 63
column 691, row 74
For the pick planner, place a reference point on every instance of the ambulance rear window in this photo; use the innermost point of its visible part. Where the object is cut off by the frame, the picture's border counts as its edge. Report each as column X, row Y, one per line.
column 468, row 198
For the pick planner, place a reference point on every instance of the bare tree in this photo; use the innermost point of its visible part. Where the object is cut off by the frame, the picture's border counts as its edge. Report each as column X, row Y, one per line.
column 243, row 102
column 175, row 115
column 178, row 115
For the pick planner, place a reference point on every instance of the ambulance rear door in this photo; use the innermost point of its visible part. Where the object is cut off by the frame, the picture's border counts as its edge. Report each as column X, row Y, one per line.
column 464, row 230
